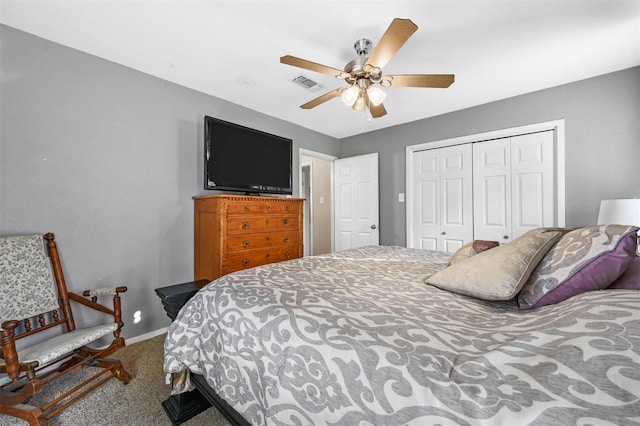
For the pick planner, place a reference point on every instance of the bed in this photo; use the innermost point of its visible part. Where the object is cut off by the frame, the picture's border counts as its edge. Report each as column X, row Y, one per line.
column 365, row 337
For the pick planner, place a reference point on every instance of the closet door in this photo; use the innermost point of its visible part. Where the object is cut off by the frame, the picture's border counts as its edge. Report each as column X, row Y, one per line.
column 426, row 200
column 442, row 198
column 492, row 190
column 532, row 182
column 456, row 189
column 513, row 187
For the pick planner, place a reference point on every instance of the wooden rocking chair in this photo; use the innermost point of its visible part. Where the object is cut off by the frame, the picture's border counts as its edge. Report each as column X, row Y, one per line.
column 34, row 299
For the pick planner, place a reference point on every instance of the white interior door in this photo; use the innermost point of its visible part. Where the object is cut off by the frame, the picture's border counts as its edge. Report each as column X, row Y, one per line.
column 356, row 201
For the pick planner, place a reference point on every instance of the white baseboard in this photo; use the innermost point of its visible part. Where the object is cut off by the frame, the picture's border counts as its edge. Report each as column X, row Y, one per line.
column 145, row 336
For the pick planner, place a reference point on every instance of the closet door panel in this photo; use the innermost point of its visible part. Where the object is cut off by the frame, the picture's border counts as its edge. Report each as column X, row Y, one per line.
column 532, row 181
column 456, row 196
column 492, row 190
column 427, row 201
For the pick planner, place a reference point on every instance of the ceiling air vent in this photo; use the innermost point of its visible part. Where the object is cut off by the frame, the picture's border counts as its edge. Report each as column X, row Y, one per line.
column 307, row 83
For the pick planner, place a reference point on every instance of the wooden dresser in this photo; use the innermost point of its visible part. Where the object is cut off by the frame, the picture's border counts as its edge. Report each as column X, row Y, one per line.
column 234, row 232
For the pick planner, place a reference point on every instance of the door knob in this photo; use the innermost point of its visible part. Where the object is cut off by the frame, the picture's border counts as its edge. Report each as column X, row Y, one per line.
column 373, row 227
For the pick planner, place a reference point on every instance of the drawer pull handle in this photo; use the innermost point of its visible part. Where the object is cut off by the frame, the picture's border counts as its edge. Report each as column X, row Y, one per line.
column 245, row 262
column 286, row 254
column 246, row 208
column 245, row 225
column 286, row 239
column 245, row 243
column 286, row 221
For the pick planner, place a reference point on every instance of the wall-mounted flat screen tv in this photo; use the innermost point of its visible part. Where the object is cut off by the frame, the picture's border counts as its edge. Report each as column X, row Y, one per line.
column 241, row 159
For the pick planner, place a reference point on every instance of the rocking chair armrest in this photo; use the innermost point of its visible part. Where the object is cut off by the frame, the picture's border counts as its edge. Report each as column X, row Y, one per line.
column 104, row 291
column 93, row 302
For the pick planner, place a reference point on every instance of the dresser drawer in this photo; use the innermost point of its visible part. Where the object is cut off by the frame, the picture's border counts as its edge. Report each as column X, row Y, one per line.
column 248, row 207
column 238, row 224
column 282, row 238
column 282, row 253
column 277, row 223
column 283, row 208
column 240, row 243
column 249, row 259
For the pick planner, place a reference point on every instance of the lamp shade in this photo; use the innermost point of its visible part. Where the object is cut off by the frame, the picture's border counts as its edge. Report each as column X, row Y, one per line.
column 376, row 95
column 350, row 95
column 619, row 212
column 360, row 104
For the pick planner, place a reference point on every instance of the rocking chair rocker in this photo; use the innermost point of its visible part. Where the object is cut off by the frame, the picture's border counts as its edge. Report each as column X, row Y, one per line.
column 34, row 299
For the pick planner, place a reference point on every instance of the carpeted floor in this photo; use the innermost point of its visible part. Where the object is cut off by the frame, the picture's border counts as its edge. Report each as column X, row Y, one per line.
column 117, row 404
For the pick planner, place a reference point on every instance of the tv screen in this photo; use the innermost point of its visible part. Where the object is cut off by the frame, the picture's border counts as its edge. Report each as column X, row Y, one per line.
column 237, row 158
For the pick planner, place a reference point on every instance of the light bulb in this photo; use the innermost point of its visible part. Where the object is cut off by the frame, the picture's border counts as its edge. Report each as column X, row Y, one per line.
column 360, row 104
column 376, row 95
column 350, row 95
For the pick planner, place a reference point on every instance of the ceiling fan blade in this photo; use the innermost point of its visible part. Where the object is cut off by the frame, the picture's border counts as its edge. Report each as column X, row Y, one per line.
column 312, row 66
column 392, row 40
column 420, row 80
column 322, row 99
column 377, row 111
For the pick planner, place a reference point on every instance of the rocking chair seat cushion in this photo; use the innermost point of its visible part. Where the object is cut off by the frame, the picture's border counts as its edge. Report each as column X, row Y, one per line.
column 56, row 347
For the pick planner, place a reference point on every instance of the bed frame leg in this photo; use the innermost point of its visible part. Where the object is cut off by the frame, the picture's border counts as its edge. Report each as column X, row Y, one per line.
column 180, row 408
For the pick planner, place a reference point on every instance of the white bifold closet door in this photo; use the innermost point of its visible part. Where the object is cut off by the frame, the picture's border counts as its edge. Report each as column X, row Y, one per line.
column 513, row 189
column 442, row 207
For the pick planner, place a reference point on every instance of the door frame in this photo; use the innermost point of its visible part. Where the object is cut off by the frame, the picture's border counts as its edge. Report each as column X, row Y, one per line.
column 557, row 126
column 307, row 220
column 308, row 207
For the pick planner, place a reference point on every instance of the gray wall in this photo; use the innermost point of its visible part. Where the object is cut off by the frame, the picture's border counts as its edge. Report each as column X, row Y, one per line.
column 602, row 143
column 108, row 158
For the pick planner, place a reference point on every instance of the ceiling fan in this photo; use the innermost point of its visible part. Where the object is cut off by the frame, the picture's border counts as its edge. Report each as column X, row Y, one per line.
column 364, row 73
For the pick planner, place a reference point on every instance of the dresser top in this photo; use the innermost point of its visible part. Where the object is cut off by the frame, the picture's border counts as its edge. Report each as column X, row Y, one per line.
column 246, row 197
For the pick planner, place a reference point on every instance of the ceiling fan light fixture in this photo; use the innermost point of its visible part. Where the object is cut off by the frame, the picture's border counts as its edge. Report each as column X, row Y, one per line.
column 376, row 95
column 350, row 95
column 360, row 105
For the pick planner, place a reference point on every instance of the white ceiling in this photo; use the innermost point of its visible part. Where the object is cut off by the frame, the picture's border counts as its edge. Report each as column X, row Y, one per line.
column 231, row 49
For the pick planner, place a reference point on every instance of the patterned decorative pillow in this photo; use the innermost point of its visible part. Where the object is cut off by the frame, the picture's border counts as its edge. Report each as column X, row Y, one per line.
column 630, row 278
column 589, row 258
column 471, row 249
column 499, row 273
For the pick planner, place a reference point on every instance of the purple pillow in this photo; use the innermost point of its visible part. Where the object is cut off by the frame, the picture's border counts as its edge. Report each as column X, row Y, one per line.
column 585, row 259
column 630, row 279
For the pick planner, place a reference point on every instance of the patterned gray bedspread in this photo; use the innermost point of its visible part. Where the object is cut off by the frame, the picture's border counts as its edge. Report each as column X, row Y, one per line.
column 358, row 338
